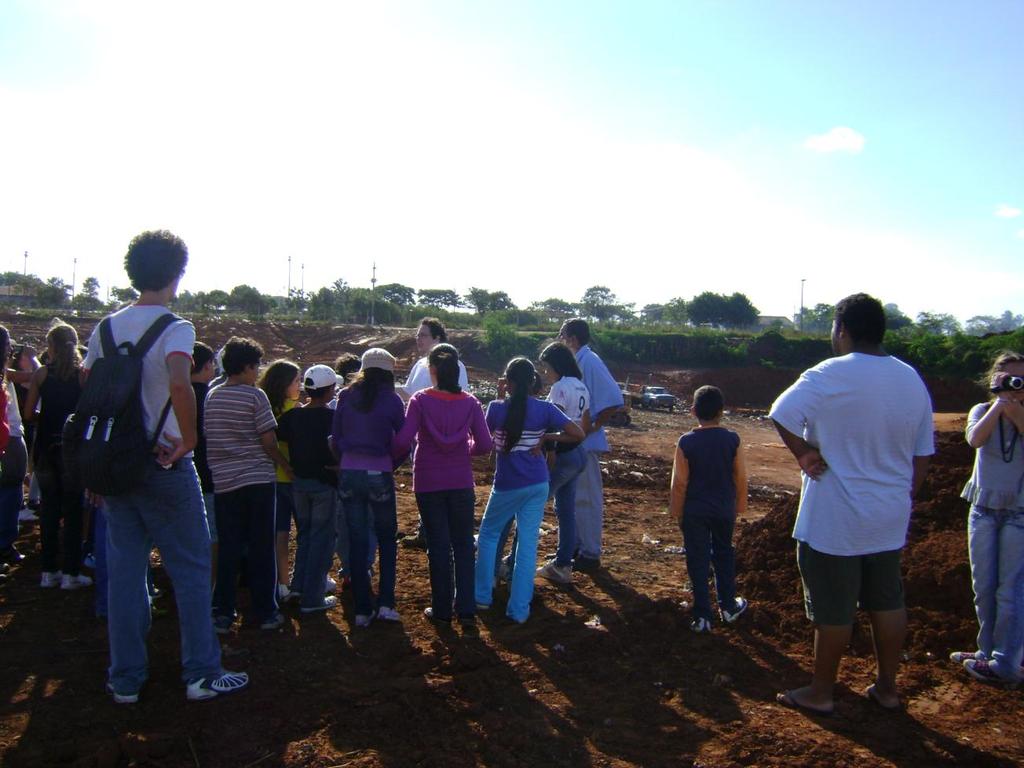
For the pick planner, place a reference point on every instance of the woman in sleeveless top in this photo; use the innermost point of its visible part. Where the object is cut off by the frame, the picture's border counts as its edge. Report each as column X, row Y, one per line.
column 55, row 388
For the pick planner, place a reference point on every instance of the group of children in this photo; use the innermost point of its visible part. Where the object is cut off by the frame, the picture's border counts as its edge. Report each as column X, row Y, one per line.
column 265, row 461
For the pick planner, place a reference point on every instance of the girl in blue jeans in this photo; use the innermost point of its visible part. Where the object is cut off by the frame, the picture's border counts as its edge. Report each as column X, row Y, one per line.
column 518, row 424
column 995, row 528
column 368, row 414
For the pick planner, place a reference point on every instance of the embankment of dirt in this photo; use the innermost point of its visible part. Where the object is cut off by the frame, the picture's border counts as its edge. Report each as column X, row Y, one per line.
column 937, row 576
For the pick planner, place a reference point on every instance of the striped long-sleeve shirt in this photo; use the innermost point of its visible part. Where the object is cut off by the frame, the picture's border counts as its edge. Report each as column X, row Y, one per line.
column 235, row 417
column 521, row 466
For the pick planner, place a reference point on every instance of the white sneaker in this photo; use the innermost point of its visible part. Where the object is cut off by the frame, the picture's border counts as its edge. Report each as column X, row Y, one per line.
column 27, row 516
column 50, row 579
column 388, row 614
column 283, row 593
column 700, row 626
column 741, row 605
column 560, row 574
column 75, row 582
column 330, row 585
column 329, row 602
column 364, row 619
column 122, row 698
column 218, row 685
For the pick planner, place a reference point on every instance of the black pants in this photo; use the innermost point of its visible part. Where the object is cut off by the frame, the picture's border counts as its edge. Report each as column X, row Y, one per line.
column 61, row 499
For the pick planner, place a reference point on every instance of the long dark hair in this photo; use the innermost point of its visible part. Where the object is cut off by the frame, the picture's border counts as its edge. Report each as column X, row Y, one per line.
column 367, row 383
column 67, row 360
column 445, row 360
column 521, row 374
column 5, row 353
column 275, row 381
column 562, row 360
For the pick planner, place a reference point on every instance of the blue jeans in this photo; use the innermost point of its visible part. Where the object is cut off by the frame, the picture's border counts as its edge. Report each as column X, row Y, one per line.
column 708, row 541
column 448, row 524
column 526, row 505
column 369, row 501
column 99, row 554
column 566, row 471
column 245, row 516
column 314, row 505
column 11, row 478
column 210, row 505
column 166, row 510
column 341, row 547
column 995, row 540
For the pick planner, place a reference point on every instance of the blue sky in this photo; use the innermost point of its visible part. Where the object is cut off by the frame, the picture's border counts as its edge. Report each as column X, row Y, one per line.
column 661, row 149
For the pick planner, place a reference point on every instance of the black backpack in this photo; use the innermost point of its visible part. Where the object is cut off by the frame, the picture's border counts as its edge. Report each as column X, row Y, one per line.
column 104, row 441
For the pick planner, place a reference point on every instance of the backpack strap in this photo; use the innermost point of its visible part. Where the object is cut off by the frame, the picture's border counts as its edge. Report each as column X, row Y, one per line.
column 107, row 338
column 152, row 333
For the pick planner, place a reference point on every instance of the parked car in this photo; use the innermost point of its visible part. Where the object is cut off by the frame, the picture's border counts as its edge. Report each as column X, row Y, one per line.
column 658, row 397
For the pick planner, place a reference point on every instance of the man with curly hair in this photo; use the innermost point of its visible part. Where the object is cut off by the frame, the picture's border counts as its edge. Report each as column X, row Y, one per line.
column 166, row 507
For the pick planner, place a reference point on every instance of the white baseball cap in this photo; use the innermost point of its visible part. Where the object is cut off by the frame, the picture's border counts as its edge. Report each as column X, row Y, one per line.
column 318, row 376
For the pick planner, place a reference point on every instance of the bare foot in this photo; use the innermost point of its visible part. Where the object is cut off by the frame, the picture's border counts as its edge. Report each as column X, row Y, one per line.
column 804, row 699
column 884, row 700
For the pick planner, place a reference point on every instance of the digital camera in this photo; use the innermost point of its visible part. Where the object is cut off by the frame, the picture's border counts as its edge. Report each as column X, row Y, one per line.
column 1009, row 384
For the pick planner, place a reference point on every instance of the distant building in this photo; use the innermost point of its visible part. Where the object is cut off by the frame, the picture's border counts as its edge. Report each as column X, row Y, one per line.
column 774, row 321
column 18, row 296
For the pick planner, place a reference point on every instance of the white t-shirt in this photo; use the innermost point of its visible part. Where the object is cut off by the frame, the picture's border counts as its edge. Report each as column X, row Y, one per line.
column 179, row 338
column 419, row 377
column 13, row 412
column 572, row 396
column 868, row 416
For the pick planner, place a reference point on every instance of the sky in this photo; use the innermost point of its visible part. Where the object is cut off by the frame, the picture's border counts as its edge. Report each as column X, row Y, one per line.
column 660, row 149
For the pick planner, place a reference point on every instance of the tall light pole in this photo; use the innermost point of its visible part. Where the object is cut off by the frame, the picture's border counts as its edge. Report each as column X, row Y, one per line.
column 74, row 276
column 373, row 293
column 289, row 276
column 802, row 281
column 25, row 268
column 302, row 285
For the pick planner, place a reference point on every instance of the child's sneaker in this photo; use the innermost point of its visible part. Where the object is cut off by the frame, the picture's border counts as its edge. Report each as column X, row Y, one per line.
column 284, row 594
column 50, row 579
column 552, row 571
column 274, row 622
column 364, row 619
column 330, row 586
column 386, row 613
column 329, row 602
column 981, row 669
column 75, row 582
column 739, row 607
column 959, row 657
column 217, row 685
column 122, row 698
column 700, row 626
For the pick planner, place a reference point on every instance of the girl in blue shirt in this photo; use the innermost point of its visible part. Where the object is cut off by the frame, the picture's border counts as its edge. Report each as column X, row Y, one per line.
column 518, row 425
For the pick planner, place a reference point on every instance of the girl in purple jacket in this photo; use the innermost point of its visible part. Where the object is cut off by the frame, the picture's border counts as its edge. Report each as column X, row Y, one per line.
column 449, row 428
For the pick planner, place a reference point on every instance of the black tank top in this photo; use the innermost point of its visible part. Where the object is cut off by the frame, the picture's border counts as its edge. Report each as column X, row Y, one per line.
column 57, row 400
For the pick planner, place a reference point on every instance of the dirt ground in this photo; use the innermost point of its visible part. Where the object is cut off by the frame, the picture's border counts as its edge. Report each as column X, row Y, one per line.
column 604, row 673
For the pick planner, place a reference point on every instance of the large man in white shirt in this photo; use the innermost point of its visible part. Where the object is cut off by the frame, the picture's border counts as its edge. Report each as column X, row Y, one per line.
column 429, row 334
column 860, row 426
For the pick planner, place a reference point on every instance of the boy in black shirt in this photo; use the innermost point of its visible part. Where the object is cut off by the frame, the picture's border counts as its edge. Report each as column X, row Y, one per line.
column 306, row 430
column 709, row 489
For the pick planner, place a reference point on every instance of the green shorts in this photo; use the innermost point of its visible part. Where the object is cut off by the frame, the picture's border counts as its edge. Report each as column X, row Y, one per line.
column 835, row 585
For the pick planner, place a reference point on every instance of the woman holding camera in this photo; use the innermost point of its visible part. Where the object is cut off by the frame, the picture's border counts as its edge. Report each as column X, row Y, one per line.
column 995, row 528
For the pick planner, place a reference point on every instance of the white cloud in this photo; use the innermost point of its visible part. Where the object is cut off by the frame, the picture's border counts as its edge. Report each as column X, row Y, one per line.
column 1005, row 211
column 839, row 139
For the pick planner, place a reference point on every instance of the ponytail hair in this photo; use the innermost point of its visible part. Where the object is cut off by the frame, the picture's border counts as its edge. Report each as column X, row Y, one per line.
column 444, row 359
column 521, row 374
column 5, row 353
column 63, row 342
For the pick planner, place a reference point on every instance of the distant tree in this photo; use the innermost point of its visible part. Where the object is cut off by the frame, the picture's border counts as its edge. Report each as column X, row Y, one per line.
column 895, row 319
column 297, row 300
column 740, row 311
column 91, row 288
column 396, row 293
column 439, row 297
column 935, row 322
column 653, row 313
column 598, row 302
column 53, row 293
column 324, row 305
column 245, row 298
column 124, row 295
column 979, row 325
column 479, row 299
column 708, row 309
column 818, row 319
column 558, row 309
column 498, row 301
column 675, row 311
